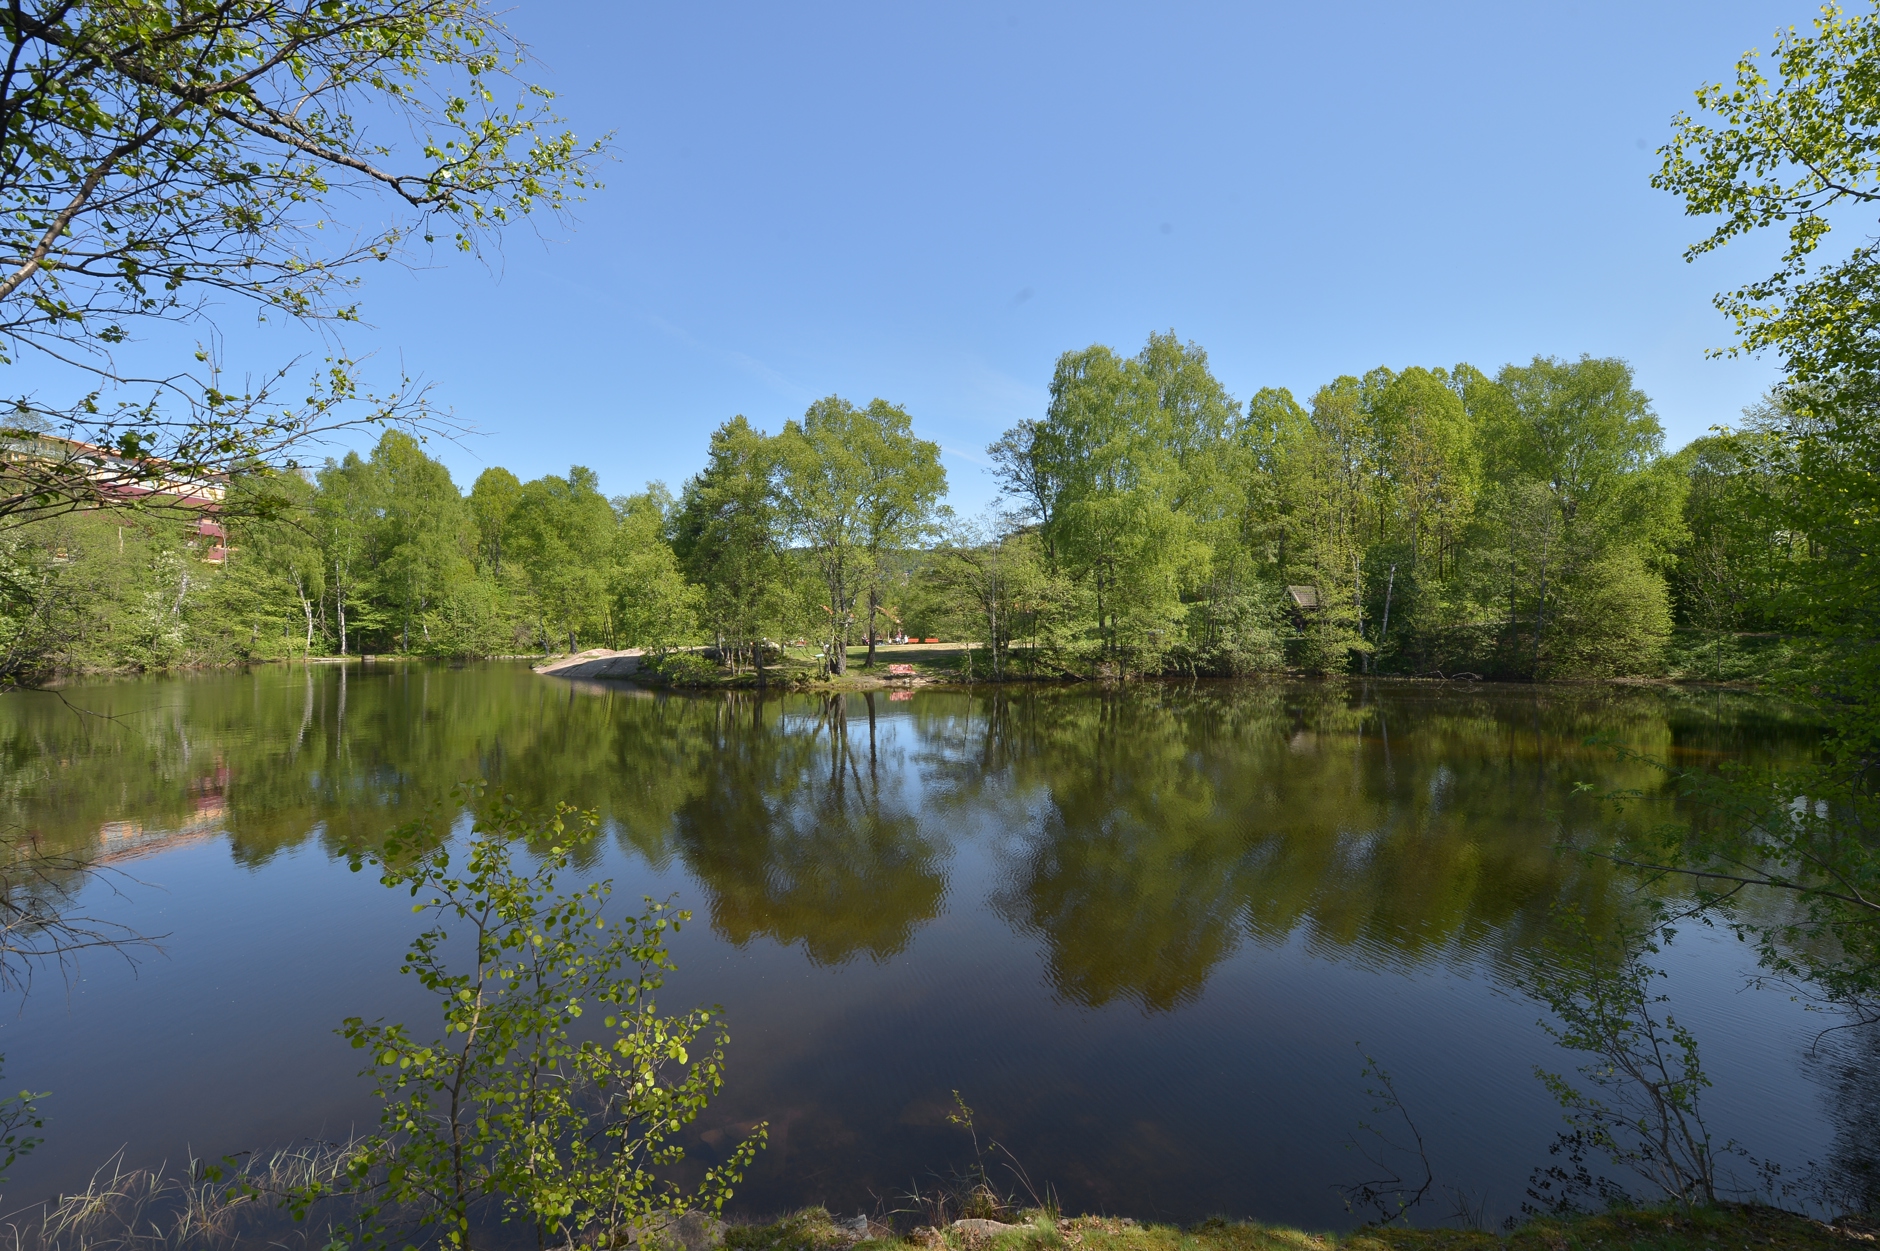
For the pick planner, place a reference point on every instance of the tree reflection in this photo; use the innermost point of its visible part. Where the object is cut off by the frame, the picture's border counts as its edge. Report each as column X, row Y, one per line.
column 1847, row 1064
column 1163, row 825
column 1130, row 882
column 1144, row 832
column 797, row 837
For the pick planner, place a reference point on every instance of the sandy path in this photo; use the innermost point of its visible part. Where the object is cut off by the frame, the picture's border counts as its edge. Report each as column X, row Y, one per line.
column 596, row 662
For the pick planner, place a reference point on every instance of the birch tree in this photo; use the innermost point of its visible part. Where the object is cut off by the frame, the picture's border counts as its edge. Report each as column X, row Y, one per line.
column 852, row 485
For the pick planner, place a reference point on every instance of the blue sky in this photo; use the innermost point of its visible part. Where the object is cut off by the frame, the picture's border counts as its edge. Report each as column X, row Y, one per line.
column 930, row 202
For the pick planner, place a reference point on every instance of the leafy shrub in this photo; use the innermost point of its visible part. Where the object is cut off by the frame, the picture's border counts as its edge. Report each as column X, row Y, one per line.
column 682, row 669
column 507, row 1114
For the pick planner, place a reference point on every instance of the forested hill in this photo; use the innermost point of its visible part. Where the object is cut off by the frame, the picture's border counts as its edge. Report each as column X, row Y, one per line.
column 1528, row 524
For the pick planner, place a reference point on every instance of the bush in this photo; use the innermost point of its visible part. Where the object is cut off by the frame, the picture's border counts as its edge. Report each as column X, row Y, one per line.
column 682, row 669
column 1236, row 632
column 1612, row 618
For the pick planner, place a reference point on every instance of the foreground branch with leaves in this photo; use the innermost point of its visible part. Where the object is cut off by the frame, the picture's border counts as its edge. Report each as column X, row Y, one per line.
column 1637, row 1101
column 556, row 1090
column 161, row 157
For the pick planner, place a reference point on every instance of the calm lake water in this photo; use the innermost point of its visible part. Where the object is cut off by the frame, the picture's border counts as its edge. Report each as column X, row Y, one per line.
column 1143, row 931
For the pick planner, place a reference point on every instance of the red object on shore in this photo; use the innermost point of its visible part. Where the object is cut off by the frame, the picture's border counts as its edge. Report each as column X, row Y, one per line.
column 933, row 640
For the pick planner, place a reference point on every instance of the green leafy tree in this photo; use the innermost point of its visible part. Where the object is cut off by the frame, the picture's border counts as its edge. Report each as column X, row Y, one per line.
column 1429, row 453
column 654, row 606
column 1428, row 465
column 1742, row 564
column 852, row 484
column 275, row 572
column 1588, row 512
column 420, row 540
column 983, row 577
column 1025, row 471
column 508, row 1113
column 562, row 535
column 728, row 535
column 1793, row 144
column 1325, row 484
column 345, row 510
column 1114, row 451
column 900, row 504
column 1791, row 152
column 165, row 158
column 492, row 502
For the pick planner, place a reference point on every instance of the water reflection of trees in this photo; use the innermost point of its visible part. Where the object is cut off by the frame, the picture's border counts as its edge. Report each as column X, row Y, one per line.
column 1847, row 1064
column 1145, row 831
column 1165, row 825
column 796, row 829
column 800, row 836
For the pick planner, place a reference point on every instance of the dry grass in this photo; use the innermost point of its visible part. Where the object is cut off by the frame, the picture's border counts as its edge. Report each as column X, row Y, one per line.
column 1747, row 1228
column 206, row 1207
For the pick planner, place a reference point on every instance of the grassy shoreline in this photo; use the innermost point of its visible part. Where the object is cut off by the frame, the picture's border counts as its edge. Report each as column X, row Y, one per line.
column 1745, row 1226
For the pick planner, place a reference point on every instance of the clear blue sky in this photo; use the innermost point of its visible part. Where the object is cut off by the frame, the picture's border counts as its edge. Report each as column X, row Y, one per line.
column 930, row 202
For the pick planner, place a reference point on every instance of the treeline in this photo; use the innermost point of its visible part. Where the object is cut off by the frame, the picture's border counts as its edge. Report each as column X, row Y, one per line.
column 1433, row 520
column 374, row 554
column 1428, row 520
column 384, row 553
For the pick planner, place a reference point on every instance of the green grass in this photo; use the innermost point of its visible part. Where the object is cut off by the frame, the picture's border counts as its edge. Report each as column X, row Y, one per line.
column 1725, row 1229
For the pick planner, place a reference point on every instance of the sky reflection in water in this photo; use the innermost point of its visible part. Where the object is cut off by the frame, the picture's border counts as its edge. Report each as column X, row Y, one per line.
column 1141, row 930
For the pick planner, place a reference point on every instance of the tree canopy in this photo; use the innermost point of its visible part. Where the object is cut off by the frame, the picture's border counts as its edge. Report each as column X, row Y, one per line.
column 163, row 160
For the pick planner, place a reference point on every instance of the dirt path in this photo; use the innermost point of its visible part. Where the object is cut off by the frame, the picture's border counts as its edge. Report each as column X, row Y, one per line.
column 596, row 662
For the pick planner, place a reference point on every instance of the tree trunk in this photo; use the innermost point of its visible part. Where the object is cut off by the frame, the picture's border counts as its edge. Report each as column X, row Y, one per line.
column 838, row 635
column 992, row 632
column 1540, row 609
column 1384, row 628
column 306, row 608
column 874, row 606
column 1357, row 592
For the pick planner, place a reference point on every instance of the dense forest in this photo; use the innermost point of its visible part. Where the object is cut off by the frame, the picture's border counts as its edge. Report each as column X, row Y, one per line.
column 1429, row 520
